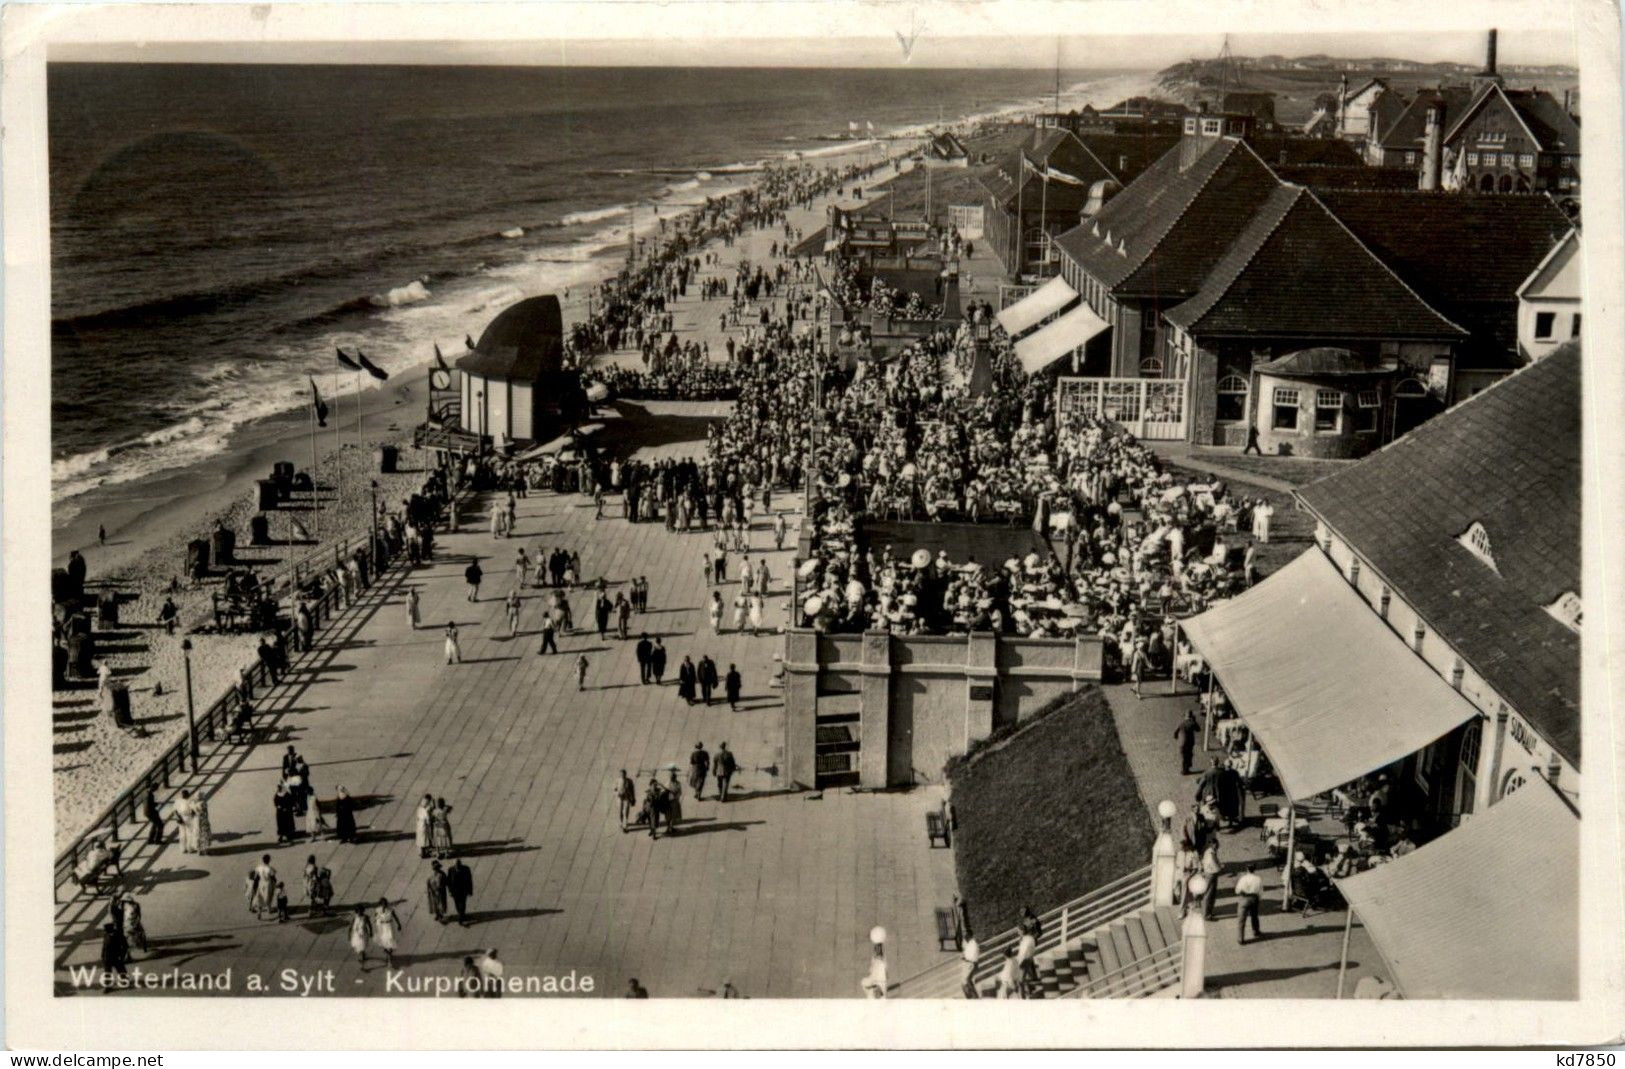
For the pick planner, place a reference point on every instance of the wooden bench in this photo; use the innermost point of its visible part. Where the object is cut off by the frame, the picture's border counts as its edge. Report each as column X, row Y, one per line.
column 936, row 829
column 948, row 937
column 91, row 880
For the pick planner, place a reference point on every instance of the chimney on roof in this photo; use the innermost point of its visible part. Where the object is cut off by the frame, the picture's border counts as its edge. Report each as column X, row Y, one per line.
column 1568, row 95
column 1343, row 105
column 1489, row 57
column 1433, row 146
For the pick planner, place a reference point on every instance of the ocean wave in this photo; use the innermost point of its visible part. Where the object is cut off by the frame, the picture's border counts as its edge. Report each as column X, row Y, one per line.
column 512, row 233
column 410, row 293
column 594, row 215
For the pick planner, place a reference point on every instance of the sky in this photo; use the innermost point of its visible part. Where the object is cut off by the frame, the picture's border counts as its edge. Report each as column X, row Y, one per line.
column 828, row 33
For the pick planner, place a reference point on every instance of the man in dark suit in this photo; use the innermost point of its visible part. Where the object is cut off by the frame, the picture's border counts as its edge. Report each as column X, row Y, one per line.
column 460, row 885
column 723, row 767
column 645, row 650
column 1186, row 734
column 731, row 686
column 708, row 678
column 699, row 765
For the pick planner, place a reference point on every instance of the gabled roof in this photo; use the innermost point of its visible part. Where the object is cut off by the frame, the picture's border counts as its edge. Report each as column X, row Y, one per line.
column 1041, row 151
column 1378, row 82
column 1173, row 225
column 1508, row 458
column 1296, row 271
column 1405, row 131
column 1325, row 361
column 1125, row 156
column 1283, row 150
column 1554, row 267
column 1466, row 255
column 1542, row 117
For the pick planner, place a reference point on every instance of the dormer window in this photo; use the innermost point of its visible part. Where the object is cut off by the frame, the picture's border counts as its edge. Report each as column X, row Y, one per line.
column 1211, row 127
column 1566, row 609
column 1476, row 540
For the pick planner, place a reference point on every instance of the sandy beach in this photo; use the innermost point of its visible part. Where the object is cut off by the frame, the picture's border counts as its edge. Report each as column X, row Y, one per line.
column 149, row 525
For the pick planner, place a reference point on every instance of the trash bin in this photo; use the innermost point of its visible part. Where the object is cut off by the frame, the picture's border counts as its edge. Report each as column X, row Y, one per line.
column 107, row 609
column 197, row 558
column 388, row 457
column 268, row 497
column 119, row 698
column 259, row 530
column 223, row 543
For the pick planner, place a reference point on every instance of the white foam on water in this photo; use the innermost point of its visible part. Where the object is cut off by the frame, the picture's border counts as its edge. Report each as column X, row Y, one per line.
column 513, row 232
column 594, row 215
column 410, row 293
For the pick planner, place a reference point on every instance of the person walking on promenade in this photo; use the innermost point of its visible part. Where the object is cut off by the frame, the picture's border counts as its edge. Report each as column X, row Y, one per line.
column 282, row 803
column 435, row 886
column 309, row 876
column 360, row 934
column 1009, row 979
column 412, row 608
column 699, row 766
column 623, row 615
column 386, row 928
column 344, row 816
column 185, row 815
column 657, row 662
column 780, row 529
column 674, row 803
column 491, row 971
column 582, row 664
column 306, row 624
column 1186, row 734
column 472, row 576
column 512, row 606
column 440, row 829
column 1211, row 868
column 874, row 981
column 115, row 951
column 549, row 640
column 601, row 608
column 720, row 565
column 521, row 567
column 741, row 610
column 707, row 677
column 1249, row 564
column 1249, row 888
column 454, row 649
column 731, row 685
column 714, row 611
column 970, row 953
column 757, row 602
column 420, row 830
column 644, row 649
column 723, row 767
column 460, row 885
column 281, row 902
column 264, row 883
column 155, row 819
column 687, row 677
column 498, row 515
column 626, row 797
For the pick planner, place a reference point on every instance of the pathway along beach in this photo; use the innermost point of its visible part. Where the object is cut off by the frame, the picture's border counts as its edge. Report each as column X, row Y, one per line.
column 93, row 761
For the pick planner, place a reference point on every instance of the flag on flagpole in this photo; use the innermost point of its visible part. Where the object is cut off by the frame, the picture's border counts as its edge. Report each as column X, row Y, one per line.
column 439, row 360
column 344, row 358
column 371, row 368
column 1061, row 176
column 321, row 406
column 468, row 342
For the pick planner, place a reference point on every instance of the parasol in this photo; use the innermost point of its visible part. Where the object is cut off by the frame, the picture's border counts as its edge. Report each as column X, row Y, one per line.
column 921, row 558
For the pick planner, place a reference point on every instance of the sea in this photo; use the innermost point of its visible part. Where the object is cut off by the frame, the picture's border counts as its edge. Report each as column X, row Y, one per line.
column 216, row 231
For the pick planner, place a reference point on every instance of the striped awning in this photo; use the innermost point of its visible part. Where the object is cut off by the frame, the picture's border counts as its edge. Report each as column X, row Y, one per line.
column 1490, row 910
column 1043, row 347
column 1046, row 300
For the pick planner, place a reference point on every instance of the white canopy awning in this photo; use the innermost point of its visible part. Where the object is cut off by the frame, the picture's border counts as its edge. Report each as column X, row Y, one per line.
column 1042, row 348
column 1487, row 911
column 1047, row 299
column 1327, row 689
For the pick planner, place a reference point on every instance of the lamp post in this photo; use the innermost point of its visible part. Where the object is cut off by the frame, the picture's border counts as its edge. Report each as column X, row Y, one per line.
column 1163, row 853
column 191, row 715
column 1193, row 933
column 372, row 553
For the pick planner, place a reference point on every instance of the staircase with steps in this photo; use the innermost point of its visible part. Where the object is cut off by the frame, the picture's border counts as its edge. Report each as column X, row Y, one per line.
column 1111, row 943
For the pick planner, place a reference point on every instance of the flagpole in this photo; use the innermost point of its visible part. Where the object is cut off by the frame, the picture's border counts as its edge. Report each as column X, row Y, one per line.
column 315, row 500
column 1043, row 216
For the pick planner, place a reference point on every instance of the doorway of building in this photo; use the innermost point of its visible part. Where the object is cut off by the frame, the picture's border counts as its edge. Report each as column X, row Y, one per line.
column 837, row 749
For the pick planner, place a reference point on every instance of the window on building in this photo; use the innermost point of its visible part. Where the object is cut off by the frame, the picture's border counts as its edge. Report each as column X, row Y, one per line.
column 1211, row 126
column 1285, row 415
column 1151, row 367
column 1457, row 671
column 1418, row 636
column 1370, row 411
column 1574, row 331
column 1384, row 601
column 1410, row 158
column 1526, row 160
column 1328, row 410
column 1567, row 610
column 1232, row 399
column 1565, row 182
column 1489, row 159
column 1476, row 540
column 1354, row 571
column 1544, row 322
column 1568, row 163
column 1472, row 159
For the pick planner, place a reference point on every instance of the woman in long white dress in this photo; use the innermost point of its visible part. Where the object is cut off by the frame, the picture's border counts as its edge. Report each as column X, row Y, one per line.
column 715, row 612
column 315, row 825
column 740, row 611
column 186, row 817
column 360, row 933
column 385, row 927
column 756, row 614
column 422, row 829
